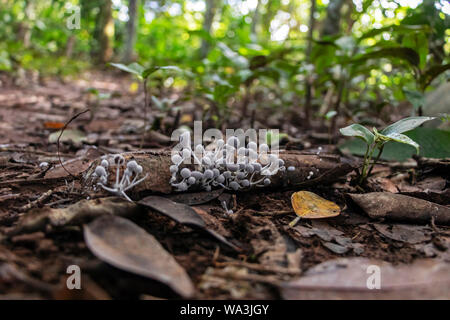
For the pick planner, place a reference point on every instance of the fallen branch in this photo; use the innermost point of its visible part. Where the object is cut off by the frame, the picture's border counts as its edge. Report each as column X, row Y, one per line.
column 324, row 168
column 399, row 207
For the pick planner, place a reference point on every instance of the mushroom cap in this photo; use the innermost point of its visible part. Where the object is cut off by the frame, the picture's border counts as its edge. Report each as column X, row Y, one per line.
column 208, row 174
column 191, row 180
column 119, row 159
column 257, row 167
column 232, row 167
column 245, row 183
column 220, row 179
column 199, row 148
column 176, row 159
column 252, row 145
column 186, row 153
column 100, row 171
column 240, row 175
column 234, row 185
column 185, row 173
column 197, row 175
column 233, row 142
column 105, row 163
column 263, row 148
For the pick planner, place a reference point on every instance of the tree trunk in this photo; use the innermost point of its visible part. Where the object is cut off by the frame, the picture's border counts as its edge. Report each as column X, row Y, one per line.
column 308, row 87
column 331, row 24
column 129, row 55
column 24, row 26
column 255, row 21
column 69, row 46
column 211, row 7
column 106, row 31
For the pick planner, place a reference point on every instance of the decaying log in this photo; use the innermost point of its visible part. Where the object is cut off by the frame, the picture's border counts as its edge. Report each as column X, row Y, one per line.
column 399, row 207
column 325, row 169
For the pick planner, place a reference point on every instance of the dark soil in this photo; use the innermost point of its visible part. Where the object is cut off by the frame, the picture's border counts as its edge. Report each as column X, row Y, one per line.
column 34, row 265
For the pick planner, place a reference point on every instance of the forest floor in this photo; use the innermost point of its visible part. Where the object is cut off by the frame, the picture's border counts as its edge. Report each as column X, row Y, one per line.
column 324, row 258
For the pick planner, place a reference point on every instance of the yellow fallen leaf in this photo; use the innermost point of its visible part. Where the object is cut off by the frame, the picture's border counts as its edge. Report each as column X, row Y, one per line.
column 186, row 118
column 311, row 206
column 134, row 87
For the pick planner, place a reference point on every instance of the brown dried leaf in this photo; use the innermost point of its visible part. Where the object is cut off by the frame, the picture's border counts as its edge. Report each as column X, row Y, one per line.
column 405, row 233
column 126, row 246
column 183, row 214
column 80, row 212
column 347, row 278
column 196, row 198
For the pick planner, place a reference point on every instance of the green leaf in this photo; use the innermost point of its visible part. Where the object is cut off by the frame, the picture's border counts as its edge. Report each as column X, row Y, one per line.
column 398, row 137
column 237, row 59
column 431, row 73
column 402, row 53
column 330, row 114
column 134, row 68
column 434, row 143
column 147, row 72
column 357, row 130
column 271, row 137
column 258, row 62
column 398, row 29
column 416, row 98
column 405, row 125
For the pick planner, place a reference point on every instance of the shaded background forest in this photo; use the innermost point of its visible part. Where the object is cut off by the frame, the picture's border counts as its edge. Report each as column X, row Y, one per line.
column 318, row 63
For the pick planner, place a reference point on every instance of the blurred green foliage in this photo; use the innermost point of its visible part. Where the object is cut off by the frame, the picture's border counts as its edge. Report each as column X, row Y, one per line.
column 382, row 52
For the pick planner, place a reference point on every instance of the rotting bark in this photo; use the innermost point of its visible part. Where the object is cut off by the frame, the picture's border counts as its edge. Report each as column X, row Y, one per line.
column 325, row 168
column 78, row 213
column 398, row 207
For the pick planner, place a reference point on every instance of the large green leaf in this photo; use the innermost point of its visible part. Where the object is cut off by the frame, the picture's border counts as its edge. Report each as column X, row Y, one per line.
column 147, row 72
column 399, row 29
column 398, row 137
column 402, row 53
column 134, row 68
column 416, row 98
column 431, row 73
column 405, row 125
column 357, row 130
column 236, row 58
column 434, row 143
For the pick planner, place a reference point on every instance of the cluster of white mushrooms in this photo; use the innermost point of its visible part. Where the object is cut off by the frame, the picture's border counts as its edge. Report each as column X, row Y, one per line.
column 129, row 179
column 226, row 165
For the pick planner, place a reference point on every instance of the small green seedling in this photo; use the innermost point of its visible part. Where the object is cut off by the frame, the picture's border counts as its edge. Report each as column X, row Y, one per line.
column 376, row 140
column 143, row 74
column 328, row 117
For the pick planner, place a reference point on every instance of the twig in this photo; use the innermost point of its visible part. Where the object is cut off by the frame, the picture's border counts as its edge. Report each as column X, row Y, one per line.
column 37, row 202
column 259, row 267
column 271, row 213
column 59, row 137
column 38, row 152
column 30, row 181
column 247, row 277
